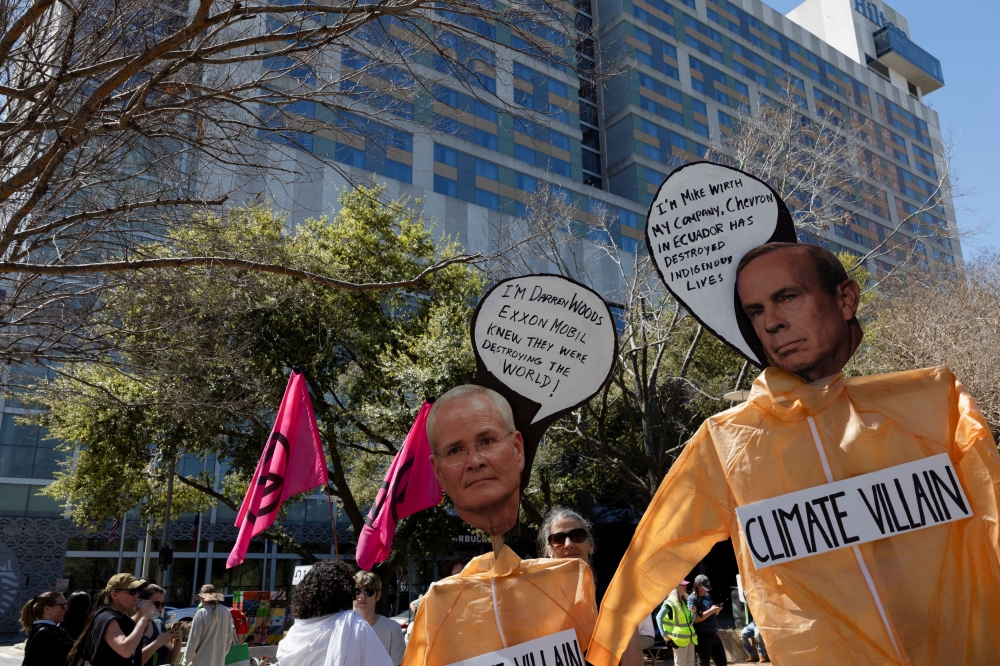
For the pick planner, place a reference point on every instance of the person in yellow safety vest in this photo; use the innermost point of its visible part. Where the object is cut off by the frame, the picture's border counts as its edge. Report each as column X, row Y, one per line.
column 677, row 625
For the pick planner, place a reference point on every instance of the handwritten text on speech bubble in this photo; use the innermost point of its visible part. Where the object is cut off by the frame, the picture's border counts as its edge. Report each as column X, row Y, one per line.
column 547, row 338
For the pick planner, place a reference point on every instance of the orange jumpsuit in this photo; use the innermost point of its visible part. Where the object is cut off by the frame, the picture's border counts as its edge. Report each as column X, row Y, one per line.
column 924, row 597
column 491, row 606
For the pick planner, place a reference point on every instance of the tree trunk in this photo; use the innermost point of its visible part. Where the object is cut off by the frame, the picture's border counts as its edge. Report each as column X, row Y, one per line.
column 165, row 539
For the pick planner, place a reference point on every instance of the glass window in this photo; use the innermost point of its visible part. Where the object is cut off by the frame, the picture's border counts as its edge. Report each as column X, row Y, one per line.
column 42, row 506
column 445, row 155
column 487, row 199
column 14, row 434
column 13, row 499
column 526, row 183
column 524, row 153
column 487, row 170
column 399, row 171
column 17, row 461
column 445, row 186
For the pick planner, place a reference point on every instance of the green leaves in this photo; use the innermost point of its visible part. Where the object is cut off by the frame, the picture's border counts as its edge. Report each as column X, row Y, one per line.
column 201, row 355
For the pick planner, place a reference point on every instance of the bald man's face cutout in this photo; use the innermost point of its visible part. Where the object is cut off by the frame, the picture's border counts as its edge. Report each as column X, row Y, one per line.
column 803, row 329
column 483, row 482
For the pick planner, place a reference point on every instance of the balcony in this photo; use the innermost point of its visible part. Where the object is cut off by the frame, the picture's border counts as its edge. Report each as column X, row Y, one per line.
column 896, row 51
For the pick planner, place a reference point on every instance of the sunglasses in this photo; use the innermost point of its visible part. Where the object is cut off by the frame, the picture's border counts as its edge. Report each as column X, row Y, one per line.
column 368, row 591
column 579, row 535
column 63, row 605
column 123, row 589
column 157, row 604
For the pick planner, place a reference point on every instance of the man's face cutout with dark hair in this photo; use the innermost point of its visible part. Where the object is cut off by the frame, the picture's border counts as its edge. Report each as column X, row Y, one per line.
column 804, row 329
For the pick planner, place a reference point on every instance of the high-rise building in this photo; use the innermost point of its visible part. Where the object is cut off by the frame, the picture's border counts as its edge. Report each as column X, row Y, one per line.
column 683, row 70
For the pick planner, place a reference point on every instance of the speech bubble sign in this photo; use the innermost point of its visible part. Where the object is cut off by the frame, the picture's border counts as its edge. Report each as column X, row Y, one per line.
column 703, row 219
column 545, row 338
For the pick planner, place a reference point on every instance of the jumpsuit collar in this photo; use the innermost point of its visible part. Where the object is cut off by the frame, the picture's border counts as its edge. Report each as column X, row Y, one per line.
column 506, row 564
column 790, row 398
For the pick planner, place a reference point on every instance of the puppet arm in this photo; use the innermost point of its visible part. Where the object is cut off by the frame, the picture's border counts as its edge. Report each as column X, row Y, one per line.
column 692, row 510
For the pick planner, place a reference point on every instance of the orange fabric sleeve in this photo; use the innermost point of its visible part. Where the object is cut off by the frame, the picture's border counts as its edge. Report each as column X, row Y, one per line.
column 416, row 647
column 978, row 459
column 692, row 510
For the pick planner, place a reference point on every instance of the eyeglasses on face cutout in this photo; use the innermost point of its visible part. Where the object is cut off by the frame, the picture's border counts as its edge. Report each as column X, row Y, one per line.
column 579, row 535
column 457, row 454
column 368, row 591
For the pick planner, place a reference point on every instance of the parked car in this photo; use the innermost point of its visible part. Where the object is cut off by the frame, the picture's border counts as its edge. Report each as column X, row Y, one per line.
column 172, row 614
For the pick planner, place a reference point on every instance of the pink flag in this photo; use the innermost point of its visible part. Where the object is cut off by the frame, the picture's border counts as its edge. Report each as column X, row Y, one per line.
column 410, row 486
column 293, row 462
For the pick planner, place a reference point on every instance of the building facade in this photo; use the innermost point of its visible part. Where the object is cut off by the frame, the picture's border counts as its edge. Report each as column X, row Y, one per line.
column 688, row 67
column 683, row 70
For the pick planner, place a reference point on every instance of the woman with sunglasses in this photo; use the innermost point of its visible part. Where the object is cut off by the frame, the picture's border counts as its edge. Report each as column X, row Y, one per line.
column 47, row 642
column 111, row 637
column 157, row 639
column 327, row 632
column 565, row 533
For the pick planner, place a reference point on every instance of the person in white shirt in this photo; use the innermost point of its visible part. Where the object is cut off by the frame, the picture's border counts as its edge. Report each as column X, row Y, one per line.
column 212, row 631
column 367, row 592
column 326, row 631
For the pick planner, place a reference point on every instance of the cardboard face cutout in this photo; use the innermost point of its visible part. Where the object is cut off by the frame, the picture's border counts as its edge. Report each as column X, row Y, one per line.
column 701, row 222
column 547, row 344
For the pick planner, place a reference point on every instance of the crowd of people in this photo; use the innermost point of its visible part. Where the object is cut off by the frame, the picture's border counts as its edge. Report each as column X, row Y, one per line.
column 336, row 623
column 125, row 627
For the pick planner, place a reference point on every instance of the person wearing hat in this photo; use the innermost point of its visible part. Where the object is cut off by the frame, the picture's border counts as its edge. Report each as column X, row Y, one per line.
column 677, row 625
column 709, row 646
column 111, row 637
column 212, row 630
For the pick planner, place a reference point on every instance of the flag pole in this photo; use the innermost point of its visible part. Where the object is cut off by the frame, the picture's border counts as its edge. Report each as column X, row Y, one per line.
column 121, row 543
column 333, row 523
column 197, row 554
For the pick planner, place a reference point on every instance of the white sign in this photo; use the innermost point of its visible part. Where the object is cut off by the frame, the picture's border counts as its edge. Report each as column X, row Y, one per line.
column 874, row 506
column 553, row 650
column 300, row 573
column 704, row 218
column 547, row 338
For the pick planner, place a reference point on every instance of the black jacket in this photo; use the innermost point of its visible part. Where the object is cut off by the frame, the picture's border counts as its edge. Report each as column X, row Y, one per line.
column 47, row 645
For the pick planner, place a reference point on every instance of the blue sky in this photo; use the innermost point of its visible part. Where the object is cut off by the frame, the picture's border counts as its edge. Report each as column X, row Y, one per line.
column 965, row 36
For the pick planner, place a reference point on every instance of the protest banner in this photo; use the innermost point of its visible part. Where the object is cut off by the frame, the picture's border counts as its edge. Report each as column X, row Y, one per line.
column 904, row 498
column 703, row 219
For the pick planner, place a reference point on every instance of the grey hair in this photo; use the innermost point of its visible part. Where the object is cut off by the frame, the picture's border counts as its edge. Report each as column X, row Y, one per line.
column 149, row 590
column 500, row 405
column 557, row 513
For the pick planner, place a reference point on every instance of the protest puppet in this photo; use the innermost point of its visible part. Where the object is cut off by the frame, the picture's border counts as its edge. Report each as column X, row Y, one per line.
column 863, row 510
column 544, row 345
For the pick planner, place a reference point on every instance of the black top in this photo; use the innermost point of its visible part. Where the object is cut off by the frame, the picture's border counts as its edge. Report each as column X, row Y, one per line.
column 699, row 605
column 163, row 651
column 96, row 649
column 47, row 645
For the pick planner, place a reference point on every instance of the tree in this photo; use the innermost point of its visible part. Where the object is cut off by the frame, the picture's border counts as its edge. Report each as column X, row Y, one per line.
column 120, row 120
column 920, row 319
column 204, row 361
